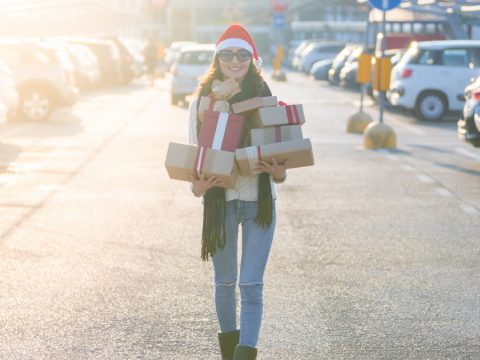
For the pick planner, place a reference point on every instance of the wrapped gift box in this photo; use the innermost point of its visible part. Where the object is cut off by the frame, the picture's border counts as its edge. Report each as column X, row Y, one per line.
column 212, row 104
column 185, row 160
column 278, row 115
column 275, row 134
column 222, row 131
column 254, row 103
column 298, row 153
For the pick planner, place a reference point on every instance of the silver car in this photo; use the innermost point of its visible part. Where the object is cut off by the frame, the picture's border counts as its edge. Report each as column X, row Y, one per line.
column 43, row 78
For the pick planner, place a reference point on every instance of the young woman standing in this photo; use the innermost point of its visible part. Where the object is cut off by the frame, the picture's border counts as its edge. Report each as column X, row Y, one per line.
column 250, row 204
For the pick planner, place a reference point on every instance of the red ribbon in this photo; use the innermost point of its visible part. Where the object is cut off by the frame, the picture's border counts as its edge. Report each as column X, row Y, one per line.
column 278, row 134
column 200, row 151
column 292, row 115
column 212, row 102
column 259, row 153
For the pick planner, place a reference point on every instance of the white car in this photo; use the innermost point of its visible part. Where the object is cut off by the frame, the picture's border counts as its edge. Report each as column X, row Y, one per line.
column 317, row 51
column 193, row 62
column 8, row 92
column 431, row 77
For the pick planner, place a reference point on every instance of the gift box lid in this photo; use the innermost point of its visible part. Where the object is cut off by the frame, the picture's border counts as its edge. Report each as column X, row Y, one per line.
column 298, row 153
column 185, row 160
column 254, row 103
column 277, row 115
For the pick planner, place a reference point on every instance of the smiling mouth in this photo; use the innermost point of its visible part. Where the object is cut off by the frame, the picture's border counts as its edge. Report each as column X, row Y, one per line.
column 234, row 68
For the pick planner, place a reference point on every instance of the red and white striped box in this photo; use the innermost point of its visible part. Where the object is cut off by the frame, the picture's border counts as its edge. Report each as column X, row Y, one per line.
column 222, row 131
column 277, row 115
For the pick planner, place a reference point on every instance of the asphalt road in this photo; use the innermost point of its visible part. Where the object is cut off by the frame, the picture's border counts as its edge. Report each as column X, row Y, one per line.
column 376, row 253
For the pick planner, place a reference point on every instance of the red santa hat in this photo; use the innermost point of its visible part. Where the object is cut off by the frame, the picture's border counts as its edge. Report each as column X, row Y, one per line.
column 237, row 36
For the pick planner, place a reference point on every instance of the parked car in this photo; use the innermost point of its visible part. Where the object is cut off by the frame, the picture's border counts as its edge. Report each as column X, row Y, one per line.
column 319, row 70
column 294, row 58
column 126, row 59
column 469, row 125
column 108, row 57
column 338, row 63
column 173, row 51
column 431, row 77
column 316, row 51
column 8, row 92
column 86, row 68
column 193, row 62
column 42, row 81
column 135, row 47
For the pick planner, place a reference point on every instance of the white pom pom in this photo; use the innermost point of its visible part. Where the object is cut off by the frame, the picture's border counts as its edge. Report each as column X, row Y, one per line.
column 258, row 62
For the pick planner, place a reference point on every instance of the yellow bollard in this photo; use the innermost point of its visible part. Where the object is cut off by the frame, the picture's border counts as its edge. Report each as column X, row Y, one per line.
column 379, row 136
column 357, row 122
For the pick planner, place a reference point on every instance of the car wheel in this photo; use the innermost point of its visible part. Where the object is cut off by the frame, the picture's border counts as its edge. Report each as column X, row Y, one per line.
column 36, row 104
column 431, row 106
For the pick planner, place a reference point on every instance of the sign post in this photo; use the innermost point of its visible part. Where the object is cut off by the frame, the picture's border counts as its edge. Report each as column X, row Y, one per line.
column 380, row 135
column 279, row 25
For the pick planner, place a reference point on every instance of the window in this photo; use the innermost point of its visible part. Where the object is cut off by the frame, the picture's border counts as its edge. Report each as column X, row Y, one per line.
column 196, row 57
column 34, row 56
column 455, row 57
column 428, row 57
column 474, row 61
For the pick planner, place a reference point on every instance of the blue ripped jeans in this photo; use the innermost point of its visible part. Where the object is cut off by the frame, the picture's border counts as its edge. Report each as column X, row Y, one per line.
column 256, row 244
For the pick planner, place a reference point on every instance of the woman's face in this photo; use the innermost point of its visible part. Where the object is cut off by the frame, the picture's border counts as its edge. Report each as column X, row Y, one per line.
column 235, row 67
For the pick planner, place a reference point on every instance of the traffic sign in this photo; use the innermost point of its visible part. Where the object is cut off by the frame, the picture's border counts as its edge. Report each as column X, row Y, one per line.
column 279, row 21
column 384, row 4
column 279, row 6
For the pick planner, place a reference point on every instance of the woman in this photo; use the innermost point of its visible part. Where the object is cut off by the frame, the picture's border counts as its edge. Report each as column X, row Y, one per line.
column 251, row 204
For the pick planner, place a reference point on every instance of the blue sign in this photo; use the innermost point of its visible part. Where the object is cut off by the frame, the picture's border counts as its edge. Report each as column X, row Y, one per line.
column 384, row 4
column 279, row 21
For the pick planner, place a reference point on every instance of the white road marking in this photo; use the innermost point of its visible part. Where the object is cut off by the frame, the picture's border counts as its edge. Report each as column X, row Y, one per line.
column 408, row 168
column 413, row 129
column 425, row 179
column 468, row 153
column 392, row 157
column 469, row 209
column 443, row 192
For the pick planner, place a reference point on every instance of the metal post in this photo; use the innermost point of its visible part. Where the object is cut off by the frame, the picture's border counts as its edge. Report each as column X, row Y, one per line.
column 382, row 93
column 367, row 33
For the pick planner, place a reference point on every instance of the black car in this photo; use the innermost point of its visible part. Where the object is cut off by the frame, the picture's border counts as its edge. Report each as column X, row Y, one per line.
column 467, row 129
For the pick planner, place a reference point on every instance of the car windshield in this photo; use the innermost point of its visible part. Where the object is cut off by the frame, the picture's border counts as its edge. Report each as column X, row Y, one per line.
column 200, row 57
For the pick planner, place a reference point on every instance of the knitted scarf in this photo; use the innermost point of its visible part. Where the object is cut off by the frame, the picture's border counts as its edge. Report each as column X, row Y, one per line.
column 214, row 200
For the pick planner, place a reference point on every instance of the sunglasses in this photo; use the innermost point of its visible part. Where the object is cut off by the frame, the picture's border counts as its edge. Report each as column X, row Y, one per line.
column 228, row 55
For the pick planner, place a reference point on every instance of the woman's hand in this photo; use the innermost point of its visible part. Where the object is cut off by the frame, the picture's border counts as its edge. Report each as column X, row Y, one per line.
column 200, row 186
column 278, row 171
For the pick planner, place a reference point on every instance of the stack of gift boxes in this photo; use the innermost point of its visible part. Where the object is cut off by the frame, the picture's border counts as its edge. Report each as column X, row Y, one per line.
column 233, row 142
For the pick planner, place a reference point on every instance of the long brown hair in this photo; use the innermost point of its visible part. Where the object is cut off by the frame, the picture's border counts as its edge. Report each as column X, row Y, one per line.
column 252, row 84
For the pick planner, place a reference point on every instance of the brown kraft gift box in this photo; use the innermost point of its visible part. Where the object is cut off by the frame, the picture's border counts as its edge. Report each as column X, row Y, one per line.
column 278, row 115
column 254, row 103
column 185, row 160
column 275, row 134
column 212, row 104
column 298, row 153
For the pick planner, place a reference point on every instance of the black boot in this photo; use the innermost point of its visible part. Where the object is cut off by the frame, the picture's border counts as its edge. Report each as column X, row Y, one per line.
column 228, row 341
column 245, row 353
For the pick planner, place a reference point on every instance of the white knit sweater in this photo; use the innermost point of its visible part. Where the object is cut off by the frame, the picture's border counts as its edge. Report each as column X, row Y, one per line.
column 246, row 187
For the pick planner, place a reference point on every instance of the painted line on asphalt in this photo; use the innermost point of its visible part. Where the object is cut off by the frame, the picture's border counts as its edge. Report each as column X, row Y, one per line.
column 425, row 179
column 468, row 153
column 443, row 192
column 469, row 209
column 413, row 129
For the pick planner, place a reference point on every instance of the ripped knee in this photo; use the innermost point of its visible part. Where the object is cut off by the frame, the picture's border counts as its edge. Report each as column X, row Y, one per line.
column 230, row 283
